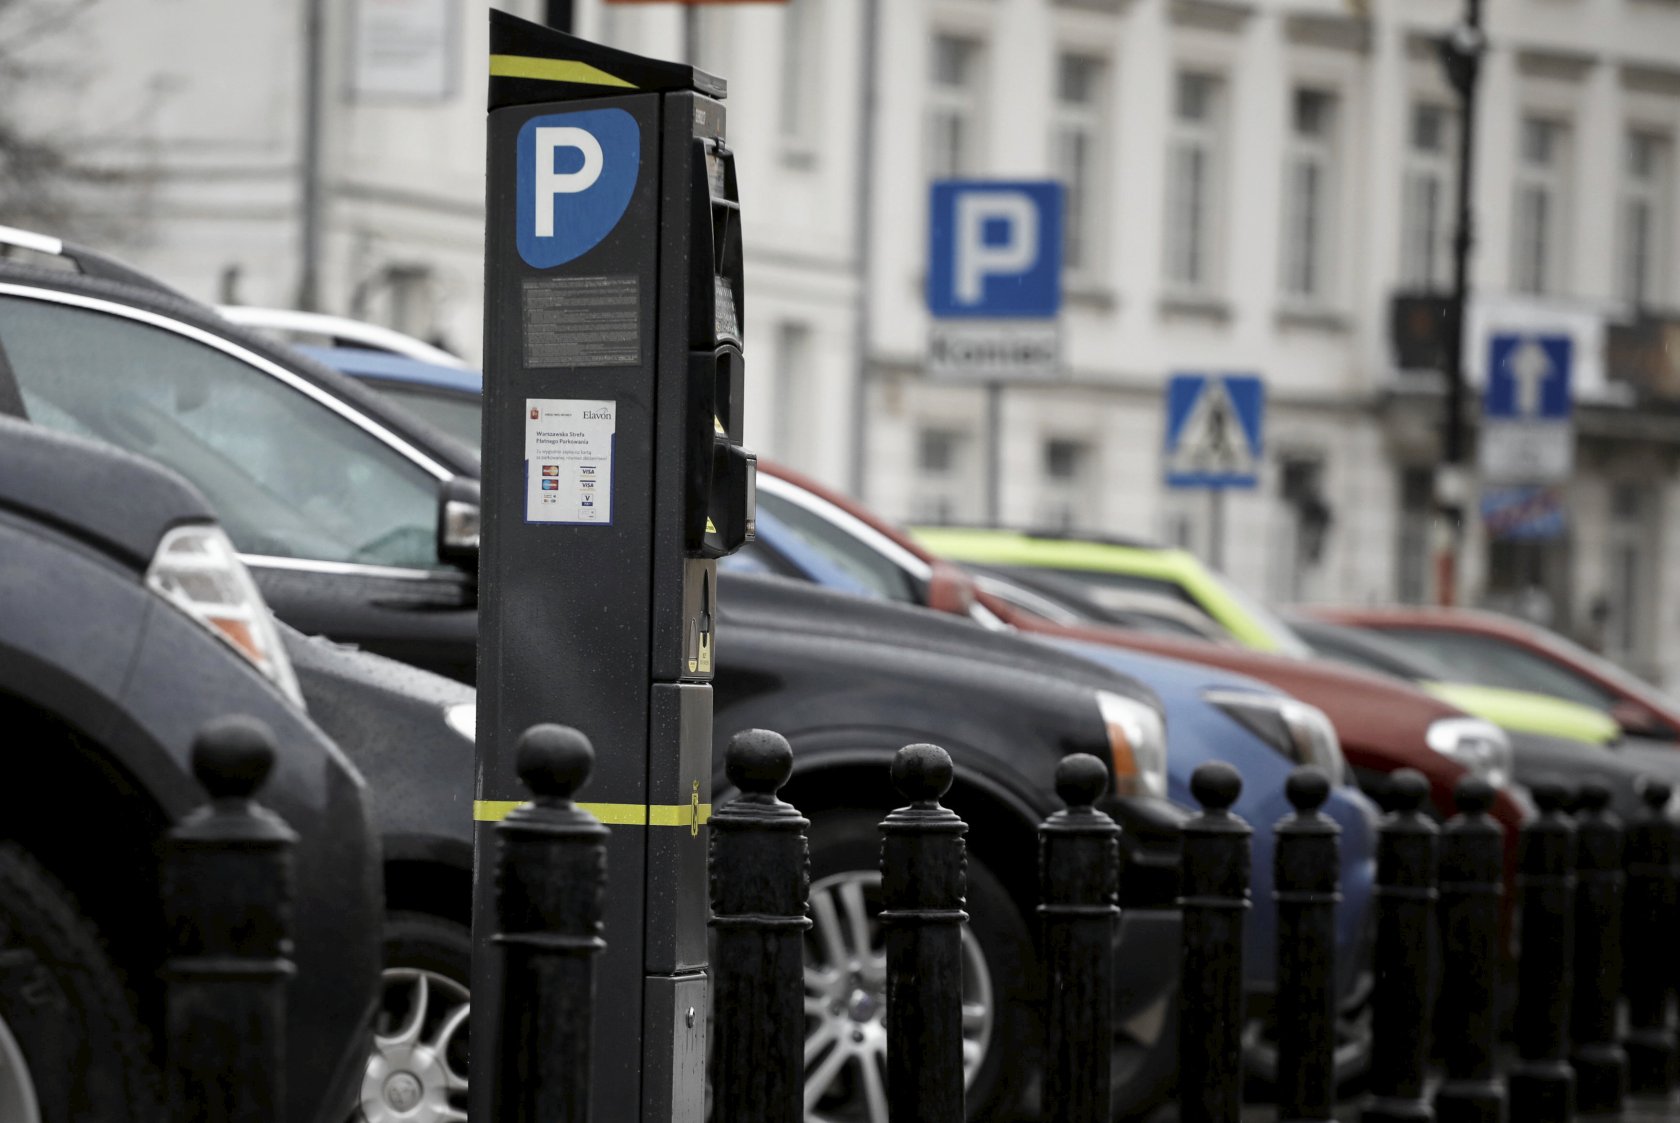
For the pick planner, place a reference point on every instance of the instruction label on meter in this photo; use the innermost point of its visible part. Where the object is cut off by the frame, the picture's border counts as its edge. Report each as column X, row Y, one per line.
column 569, row 460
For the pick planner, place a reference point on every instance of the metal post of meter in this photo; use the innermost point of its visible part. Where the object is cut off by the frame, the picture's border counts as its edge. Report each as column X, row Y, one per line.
column 613, row 478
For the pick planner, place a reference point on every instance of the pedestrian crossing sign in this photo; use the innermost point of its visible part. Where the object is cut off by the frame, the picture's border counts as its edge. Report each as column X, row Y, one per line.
column 1213, row 435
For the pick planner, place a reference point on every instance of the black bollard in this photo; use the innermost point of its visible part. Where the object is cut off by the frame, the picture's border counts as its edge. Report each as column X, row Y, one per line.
column 227, row 876
column 550, row 877
column 1472, row 885
column 1306, row 888
column 1599, row 1062
column 1648, row 917
column 1541, row 1083
column 761, row 883
column 1403, row 957
column 923, row 882
column 1210, row 982
column 1079, row 875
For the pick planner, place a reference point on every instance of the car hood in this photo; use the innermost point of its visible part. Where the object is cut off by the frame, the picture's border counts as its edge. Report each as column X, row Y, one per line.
column 1522, row 712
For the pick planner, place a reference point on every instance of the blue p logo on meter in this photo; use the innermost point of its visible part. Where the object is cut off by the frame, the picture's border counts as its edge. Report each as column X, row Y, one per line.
column 576, row 172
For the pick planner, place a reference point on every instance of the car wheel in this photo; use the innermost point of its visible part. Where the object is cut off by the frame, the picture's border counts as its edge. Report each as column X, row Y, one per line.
column 845, row 982
column 417, row 1066
column 72, row 1049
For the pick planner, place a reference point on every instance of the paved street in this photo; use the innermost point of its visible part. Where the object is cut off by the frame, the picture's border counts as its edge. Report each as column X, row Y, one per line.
column 1646, row 1111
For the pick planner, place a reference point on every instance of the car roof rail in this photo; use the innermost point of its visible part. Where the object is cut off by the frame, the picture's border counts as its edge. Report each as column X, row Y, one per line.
column 72, row 257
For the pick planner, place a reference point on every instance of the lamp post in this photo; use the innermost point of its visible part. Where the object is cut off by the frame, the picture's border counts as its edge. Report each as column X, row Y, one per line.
column 1461, row 57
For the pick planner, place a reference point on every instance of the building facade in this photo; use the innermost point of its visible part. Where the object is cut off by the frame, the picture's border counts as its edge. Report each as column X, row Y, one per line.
column 1252, row 186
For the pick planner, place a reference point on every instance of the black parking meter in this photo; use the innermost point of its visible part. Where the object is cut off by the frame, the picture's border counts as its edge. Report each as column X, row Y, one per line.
column 614, row 476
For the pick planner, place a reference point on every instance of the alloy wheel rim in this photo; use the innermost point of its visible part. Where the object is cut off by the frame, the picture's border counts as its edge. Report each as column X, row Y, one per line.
column 417, row 1071
column 17, row 1088
column 845, row 1002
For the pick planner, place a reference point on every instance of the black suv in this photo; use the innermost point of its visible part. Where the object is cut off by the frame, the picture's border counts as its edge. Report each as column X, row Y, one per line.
column 126, row 622
column 359, row 523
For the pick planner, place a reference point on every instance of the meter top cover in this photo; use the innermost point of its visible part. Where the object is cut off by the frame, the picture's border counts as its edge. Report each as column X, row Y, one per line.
column 530, row 63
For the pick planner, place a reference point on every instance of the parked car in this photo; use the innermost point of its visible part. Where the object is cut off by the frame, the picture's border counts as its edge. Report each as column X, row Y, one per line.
column 1498, row 650
column 359, row 522
column 318, row 329
column 127, row 623
column 1115, row 569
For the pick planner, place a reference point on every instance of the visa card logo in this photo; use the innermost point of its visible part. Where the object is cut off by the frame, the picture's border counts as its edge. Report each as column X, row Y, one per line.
column 576, row 172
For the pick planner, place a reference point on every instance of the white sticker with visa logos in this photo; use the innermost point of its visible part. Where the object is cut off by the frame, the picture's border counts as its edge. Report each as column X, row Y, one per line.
column 569, row 460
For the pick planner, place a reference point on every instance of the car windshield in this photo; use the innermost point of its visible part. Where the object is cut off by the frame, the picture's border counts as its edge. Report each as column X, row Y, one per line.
column 456, row 414
column 1283, row 637
column 1490, row 661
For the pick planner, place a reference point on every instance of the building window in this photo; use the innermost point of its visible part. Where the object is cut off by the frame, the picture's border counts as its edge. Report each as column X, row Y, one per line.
column 1080, row 82
column 1632, row 516
column 1309, row 195
column 954, row 106
column 1542, row 172
column 801, row 76
column 790, row 406
column 943, row 468
column 1192, row 181
column 1066, row 482
column 1417, row 513
column 1426, row 224
column 1644, row 219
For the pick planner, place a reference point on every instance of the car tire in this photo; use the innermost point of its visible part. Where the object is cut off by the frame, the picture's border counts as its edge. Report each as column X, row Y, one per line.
column 72, row 1047
column 417, row 1064
column 999, row 969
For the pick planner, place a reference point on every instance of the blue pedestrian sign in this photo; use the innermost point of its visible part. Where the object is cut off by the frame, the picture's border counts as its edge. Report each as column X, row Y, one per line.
column 1529, row 377
column 995, row 249
column 1214, row 430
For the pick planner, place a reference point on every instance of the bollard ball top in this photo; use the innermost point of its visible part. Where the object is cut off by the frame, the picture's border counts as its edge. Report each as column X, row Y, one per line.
column 232, row 756
column 1406, row 791
column 922, row 773
column 758, row 761
column 1594, row 797
column 553, row 761
column 1081, row 779
column 1551, row 794
column 1473, row 796
column 1656, row 793
column 1306, row 789
column 1216, row 785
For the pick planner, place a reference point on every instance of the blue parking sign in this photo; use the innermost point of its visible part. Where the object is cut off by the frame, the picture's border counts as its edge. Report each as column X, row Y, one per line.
column 995, row 249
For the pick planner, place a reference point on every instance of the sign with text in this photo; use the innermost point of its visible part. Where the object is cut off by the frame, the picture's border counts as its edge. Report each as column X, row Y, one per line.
column 1528, row 436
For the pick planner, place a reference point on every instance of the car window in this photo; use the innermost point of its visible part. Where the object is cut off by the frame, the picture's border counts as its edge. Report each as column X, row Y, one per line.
column 287, row 476
column 1492, row 662
column 454, row 414
column 876, row 574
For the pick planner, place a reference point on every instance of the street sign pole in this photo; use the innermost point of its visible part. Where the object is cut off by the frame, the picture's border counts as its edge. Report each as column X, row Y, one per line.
column 1216, row 528
column 613, row 478
column 1214, row 440
column 994, row 452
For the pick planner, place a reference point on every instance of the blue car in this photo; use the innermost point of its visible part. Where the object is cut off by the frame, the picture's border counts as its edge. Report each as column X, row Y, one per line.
column 1211, row 714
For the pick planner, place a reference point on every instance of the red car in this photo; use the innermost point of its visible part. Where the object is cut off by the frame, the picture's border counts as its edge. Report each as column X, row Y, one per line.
column 1383, row 724
column 1495, row 650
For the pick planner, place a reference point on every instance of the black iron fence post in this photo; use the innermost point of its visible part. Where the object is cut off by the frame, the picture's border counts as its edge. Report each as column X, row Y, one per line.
column 227, row 875
column 1306, row 890
column 761, row 882
column 550, row 877
column 1472, row 886
column 1215, row 876
column 1599, row 1062
column 1403, row 959
column 1079, row 875
column 1542, row 1086
column 1648, row 928
column 923, row 884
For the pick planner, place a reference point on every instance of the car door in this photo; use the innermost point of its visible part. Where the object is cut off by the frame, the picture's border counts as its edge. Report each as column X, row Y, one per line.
column 336, row 515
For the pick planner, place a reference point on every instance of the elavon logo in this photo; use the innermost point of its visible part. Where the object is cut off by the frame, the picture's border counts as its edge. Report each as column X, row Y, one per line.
column 576, row 174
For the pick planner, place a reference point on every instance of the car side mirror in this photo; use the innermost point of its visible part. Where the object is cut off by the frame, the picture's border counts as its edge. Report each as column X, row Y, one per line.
column 457, row 525
column 1635, row 719
column 951, row 590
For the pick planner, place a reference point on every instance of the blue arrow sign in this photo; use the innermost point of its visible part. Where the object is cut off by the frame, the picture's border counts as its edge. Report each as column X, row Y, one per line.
column 1214, row 430
column 1529, row 378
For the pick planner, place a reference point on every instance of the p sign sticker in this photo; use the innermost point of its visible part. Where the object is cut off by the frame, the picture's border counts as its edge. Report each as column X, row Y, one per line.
column 995, row 249
column 576, row 174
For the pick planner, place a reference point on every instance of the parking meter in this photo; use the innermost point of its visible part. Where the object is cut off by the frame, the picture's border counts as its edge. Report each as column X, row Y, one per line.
column 614, row 477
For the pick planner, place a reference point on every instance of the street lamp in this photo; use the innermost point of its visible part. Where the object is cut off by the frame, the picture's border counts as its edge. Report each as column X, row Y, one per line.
column 1461, row 53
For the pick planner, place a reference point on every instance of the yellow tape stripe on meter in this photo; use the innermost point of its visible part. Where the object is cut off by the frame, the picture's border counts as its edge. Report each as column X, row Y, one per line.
column 612, row 814
column 553, row 70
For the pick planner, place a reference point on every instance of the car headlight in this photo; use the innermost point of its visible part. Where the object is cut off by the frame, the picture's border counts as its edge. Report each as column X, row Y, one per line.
column 463, row 719
column 1298, row 731
column 196, row 569
column 1137, row 743
column 1480, row 746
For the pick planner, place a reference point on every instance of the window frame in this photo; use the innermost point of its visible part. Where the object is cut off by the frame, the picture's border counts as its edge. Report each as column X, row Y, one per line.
column 265, row 366
column 964, row 102
column 1321, row 153
column 1209, row 137
column 1655, row 192
column 1085, row 215
column 1433, row 273
column 1551, row 182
